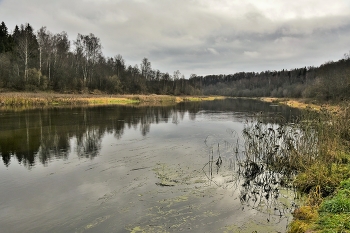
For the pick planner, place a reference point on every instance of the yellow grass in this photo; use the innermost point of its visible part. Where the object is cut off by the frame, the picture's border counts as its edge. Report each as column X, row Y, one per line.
column 198, row 98
column 301, row 104
column 19, row 99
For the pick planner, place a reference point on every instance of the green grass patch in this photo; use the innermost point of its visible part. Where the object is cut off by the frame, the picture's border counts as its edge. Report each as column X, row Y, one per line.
column 335, row 211
column 333, row 215
column 333, row 223
column 340, row 202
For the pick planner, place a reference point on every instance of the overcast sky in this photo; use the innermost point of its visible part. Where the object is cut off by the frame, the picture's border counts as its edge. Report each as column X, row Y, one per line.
column 199, row 36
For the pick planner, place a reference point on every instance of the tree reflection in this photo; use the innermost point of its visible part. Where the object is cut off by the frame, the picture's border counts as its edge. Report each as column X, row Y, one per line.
column 89, row 143
column 39, row 136
column 53, row 145
column 118, row 129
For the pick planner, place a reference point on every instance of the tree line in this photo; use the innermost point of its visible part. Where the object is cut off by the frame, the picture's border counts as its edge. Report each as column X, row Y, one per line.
column 330, row 81
column 41, row 60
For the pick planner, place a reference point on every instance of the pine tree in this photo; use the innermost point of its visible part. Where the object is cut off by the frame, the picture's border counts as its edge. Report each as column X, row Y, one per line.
column 4, row 39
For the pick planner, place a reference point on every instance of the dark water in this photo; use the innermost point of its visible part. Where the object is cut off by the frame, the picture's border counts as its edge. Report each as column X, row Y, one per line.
column 128, row 169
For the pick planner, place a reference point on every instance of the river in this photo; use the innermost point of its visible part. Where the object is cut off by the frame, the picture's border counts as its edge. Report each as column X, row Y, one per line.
column 134, row 169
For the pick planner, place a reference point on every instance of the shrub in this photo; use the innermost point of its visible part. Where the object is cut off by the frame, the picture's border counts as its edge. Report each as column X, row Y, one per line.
column 305, row 213
column 33, row 77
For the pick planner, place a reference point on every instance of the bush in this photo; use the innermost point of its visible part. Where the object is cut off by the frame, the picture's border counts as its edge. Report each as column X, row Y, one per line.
column 112, row 84
column 305, row 213
column 298, row 226
column 33, row 77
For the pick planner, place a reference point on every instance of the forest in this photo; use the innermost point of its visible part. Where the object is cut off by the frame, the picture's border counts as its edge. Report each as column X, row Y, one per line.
column 44, row 61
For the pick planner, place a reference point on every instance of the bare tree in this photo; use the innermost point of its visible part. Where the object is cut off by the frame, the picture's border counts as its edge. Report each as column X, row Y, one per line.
column 119, row 64
column 88, row 50
column 45, row 47
column 27, row 46
column 145, row 68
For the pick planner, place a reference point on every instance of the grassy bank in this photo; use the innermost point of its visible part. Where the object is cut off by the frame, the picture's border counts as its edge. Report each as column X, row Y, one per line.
column 318, row 150
column 55, row 99
column 303, row 104
column 323, row 174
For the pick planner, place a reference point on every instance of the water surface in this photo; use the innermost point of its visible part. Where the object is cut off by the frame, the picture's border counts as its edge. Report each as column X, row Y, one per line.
column 131, row 168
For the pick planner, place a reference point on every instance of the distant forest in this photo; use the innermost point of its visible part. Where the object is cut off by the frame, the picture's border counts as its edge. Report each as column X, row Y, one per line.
column 44, row 61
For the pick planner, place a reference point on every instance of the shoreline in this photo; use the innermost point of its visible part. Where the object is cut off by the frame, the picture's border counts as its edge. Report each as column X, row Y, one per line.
column 303, row 104
column 53, row 99
column 314, row 215
column 43, row 99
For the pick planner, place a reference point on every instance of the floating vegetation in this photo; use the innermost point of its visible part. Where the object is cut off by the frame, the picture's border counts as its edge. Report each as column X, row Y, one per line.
column 169, row 176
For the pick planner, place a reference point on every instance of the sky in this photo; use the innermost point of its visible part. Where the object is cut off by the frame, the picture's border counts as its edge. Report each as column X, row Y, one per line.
column 199, row 36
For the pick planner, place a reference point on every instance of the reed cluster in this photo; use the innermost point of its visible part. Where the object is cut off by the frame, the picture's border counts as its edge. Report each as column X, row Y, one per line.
column 313, row 152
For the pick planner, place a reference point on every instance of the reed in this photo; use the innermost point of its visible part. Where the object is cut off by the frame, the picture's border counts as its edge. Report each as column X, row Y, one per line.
column 314, row 151
column 310, row 154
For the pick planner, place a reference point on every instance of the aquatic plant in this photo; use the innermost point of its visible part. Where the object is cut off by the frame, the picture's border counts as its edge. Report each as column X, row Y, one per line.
column 252, row 165
column 210, row 164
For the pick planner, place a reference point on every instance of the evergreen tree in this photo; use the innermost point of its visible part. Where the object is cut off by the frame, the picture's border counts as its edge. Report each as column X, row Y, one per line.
column 5, row 39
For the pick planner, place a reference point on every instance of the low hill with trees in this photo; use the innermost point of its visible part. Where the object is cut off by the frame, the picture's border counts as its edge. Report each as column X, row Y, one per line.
column 41, row 60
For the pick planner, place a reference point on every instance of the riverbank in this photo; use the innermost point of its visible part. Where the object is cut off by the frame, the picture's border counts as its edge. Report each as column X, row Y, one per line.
column 303, row 104
column 325, row 181
column 25, row 99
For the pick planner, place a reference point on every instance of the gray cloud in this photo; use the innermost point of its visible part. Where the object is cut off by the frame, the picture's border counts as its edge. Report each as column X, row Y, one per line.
column 199, row 36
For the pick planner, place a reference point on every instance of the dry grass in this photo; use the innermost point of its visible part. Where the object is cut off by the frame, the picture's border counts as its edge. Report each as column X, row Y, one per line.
column 301, row 104
column 198, row 98
column 24, row 99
